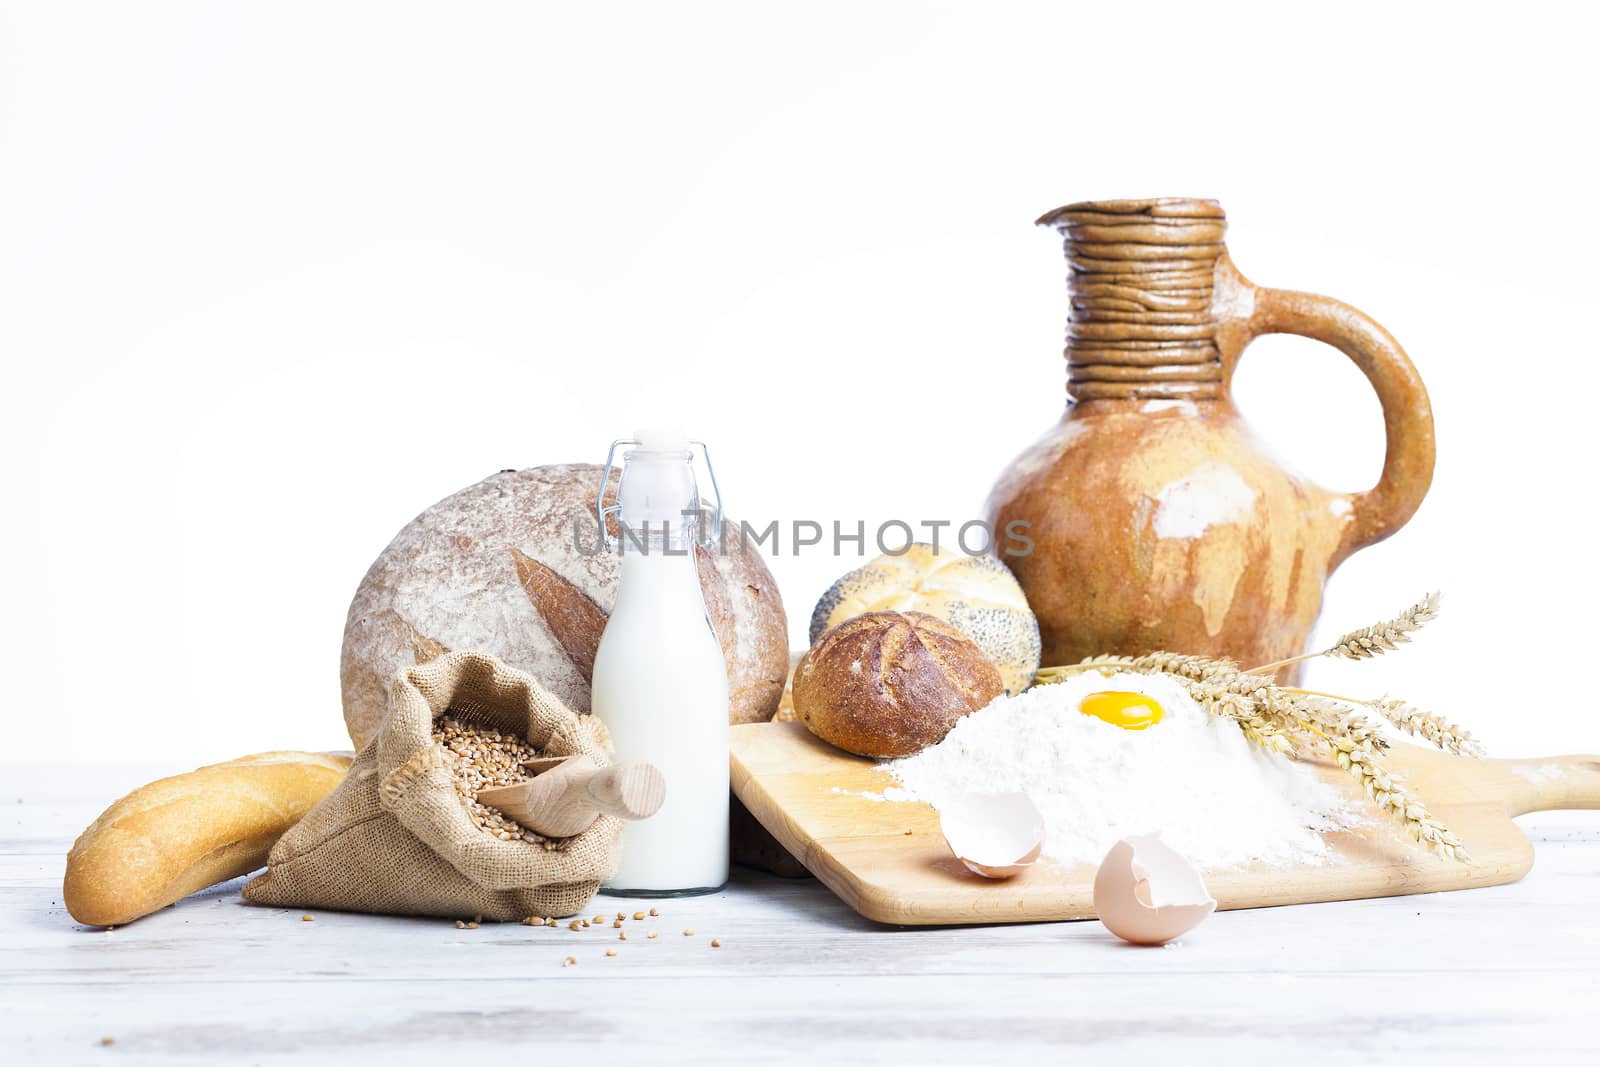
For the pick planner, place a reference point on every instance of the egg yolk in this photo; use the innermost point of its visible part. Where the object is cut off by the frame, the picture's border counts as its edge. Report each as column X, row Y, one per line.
column 1131, row 711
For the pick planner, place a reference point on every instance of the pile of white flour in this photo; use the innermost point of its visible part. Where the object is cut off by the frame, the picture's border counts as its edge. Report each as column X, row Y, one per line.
column 1193, row 777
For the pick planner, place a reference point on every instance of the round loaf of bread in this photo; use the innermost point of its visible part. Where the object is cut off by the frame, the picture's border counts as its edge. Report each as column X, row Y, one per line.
column 888, row 684
column 510, row 567
column 977, row 595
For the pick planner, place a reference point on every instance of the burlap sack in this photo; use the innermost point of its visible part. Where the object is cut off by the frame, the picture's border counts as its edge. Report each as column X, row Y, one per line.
column 394, row 836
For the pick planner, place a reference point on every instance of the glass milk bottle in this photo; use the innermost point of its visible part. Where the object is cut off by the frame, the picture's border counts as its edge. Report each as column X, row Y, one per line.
column 660, row 684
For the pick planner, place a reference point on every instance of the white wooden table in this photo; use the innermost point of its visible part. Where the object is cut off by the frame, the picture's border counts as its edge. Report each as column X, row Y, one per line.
column 1451, row 979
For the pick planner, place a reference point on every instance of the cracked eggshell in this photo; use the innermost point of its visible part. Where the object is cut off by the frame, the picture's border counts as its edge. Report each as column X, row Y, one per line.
column 997, row 835
column 1148, row 894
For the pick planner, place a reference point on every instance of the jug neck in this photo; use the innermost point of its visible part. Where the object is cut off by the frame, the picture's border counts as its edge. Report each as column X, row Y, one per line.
column 1141, row 282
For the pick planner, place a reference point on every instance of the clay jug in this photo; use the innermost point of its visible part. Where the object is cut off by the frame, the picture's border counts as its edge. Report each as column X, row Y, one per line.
column 1157, row 519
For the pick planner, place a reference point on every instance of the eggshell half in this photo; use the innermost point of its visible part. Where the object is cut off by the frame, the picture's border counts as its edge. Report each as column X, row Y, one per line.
column 1148, row 894
column 997, row 835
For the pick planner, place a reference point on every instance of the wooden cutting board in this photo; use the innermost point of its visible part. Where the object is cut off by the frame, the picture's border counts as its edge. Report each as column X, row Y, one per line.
column 889, row 862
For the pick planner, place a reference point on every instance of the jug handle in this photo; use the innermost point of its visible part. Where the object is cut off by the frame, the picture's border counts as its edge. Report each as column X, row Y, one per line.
column 1407, row 414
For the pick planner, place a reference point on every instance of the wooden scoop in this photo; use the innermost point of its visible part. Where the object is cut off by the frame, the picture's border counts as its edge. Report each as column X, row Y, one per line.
column 570, row 793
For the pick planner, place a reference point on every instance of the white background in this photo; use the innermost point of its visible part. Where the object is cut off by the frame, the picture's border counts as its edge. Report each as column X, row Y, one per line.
column 274, row 278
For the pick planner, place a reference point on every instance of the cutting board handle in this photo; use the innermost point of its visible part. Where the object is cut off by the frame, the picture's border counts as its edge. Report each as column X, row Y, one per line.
column 1555, row 783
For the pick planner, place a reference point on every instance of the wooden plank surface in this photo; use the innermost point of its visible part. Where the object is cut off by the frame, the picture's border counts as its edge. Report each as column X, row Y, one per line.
column 1437, row 979
column 889, row 862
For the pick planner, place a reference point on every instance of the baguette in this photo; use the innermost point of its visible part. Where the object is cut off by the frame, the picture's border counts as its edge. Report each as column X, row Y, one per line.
column 177, row 835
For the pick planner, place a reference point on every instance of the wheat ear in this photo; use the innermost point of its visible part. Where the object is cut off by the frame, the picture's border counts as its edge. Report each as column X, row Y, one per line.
column 1286, row 721
column 1388, row 635
column 1198, row 668
column 1435, row 728
column 1371, row 640
column 1283, row 722
column 1389, row 794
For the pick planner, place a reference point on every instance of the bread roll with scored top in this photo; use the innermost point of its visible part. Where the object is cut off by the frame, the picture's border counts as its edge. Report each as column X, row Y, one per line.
column 177, row 835
column 888, row 684
column 978, row 595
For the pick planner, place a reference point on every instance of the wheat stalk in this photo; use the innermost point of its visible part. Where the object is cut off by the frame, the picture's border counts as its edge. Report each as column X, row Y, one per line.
column 1372, row 640
column 1388, row 635
column 1286, row 722
column 1103, row 664
column 1256, row 727
column 1198, row 668
column 1390, row 794
column 1357, row 747
column 1435, row 728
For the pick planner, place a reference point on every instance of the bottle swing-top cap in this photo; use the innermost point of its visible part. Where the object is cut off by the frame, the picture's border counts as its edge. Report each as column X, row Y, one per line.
column 665, row 491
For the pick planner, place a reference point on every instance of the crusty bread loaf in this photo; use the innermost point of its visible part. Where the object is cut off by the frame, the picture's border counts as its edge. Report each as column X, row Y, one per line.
column 500, row 567
column 174, row 836
column 977, row 595
column 889, row 684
